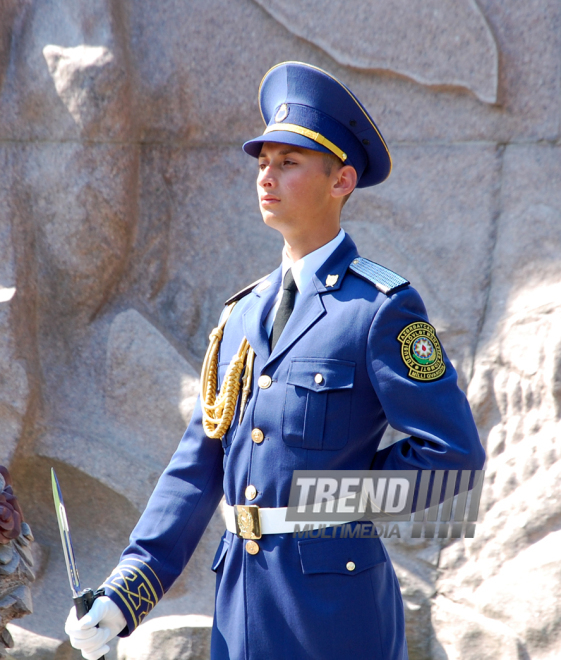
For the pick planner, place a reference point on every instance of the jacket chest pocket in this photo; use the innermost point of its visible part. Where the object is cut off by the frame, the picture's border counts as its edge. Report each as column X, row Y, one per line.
column 317, row 407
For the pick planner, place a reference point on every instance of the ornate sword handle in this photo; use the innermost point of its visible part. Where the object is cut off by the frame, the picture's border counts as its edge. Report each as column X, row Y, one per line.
column 83, row 603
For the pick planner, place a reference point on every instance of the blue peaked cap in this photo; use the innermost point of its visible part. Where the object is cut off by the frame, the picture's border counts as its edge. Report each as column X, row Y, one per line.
column 304, row 106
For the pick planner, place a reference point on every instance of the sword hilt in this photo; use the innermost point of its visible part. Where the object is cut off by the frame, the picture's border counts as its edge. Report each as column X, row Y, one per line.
column 83, row 603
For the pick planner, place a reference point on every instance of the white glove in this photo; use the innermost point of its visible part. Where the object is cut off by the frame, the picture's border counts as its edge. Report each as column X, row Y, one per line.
column 83, row 633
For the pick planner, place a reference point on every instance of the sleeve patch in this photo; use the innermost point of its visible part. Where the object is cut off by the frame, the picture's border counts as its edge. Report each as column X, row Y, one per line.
column 421, row 351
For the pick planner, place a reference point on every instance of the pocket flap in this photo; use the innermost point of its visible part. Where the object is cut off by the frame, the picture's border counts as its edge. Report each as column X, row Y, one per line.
column 319, row 374
column 220, row 553
column 333, row 555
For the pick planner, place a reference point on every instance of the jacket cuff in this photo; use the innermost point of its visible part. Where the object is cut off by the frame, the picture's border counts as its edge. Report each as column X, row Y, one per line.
column 135, row 588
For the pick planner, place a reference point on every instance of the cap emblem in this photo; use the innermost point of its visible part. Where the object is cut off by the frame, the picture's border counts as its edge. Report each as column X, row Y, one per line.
column 282, row 113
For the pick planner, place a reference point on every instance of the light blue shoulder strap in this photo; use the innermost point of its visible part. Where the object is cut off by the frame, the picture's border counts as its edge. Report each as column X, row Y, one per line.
column 384, row 279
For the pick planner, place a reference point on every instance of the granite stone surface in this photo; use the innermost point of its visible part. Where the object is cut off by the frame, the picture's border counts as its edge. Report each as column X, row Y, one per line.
column 433, row 42
column 169, row 638
column 508, row 572
column 14, row 385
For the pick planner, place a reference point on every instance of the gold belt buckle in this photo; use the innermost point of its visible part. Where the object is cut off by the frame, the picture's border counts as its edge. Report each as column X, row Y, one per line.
column 248, row 523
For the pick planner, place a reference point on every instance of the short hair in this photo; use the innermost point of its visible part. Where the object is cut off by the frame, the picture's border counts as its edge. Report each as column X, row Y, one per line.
column 329, row 162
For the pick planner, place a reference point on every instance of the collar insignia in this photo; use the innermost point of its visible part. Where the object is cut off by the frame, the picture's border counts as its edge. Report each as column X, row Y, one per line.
column 331, row 280
column 265, row 285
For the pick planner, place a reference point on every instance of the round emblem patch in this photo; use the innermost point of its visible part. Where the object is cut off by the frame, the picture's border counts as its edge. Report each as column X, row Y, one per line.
column 282, row 113
column 421, row 351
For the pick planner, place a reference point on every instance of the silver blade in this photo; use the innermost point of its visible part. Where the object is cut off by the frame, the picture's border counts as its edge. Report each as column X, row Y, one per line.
column 65, row 537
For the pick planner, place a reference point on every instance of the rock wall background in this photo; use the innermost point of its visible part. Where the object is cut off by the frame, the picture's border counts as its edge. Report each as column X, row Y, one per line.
column 128, row 214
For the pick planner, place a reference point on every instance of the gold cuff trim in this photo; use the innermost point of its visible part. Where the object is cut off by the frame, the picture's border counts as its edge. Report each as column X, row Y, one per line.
column 135, row 589
column 117, row 590
column 153, row 573
column 306, row 132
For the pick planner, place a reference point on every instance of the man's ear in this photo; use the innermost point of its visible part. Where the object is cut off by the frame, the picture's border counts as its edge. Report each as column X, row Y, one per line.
column 346, row 181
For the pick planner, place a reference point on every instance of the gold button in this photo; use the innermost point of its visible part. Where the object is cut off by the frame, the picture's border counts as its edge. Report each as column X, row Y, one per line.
column 252, row 547
column 351, row 566
column 318, row 378
column 264, row 381
column 257, row 436
column 251, row 492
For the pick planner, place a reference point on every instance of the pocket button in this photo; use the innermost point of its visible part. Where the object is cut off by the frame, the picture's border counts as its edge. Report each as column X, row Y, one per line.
column 351, row 566
column 318, row 378
column 264, row 381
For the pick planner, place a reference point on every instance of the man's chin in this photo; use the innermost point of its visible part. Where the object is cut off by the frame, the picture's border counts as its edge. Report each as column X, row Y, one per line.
column 271, row 220
column 283, row 224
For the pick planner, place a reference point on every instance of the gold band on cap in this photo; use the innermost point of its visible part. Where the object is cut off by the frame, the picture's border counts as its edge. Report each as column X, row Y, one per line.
column 306, row 132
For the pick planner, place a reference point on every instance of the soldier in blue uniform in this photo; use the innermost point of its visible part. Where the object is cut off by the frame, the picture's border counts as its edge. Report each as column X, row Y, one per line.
column 328, row 349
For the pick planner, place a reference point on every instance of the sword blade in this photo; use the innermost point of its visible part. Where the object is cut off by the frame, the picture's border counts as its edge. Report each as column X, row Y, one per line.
column 65, row 537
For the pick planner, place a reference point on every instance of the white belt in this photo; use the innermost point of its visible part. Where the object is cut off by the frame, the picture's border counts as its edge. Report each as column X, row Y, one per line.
column 251, row 521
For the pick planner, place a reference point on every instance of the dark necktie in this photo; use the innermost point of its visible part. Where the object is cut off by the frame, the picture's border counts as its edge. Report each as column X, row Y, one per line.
column 285, row 308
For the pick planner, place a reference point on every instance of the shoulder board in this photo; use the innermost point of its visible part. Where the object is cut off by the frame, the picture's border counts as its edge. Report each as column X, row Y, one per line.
column 384, row 280
column 240, row 294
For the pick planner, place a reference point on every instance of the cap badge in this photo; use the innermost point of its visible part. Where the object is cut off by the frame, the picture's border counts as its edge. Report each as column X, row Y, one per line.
column 421, row 351
column 282, row 113
column 331, row 280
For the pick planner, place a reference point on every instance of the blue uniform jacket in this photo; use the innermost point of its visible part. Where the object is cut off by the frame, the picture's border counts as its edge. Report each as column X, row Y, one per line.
column 296, row 598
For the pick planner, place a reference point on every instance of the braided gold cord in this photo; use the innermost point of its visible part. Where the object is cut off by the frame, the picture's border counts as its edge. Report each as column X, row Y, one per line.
column 219, row 410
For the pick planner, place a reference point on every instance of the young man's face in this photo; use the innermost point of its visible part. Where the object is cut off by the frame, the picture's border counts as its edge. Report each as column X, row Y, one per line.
column 293, row 187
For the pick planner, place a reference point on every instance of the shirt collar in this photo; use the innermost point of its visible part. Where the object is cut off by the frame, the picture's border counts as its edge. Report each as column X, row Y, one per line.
column 303, row 270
